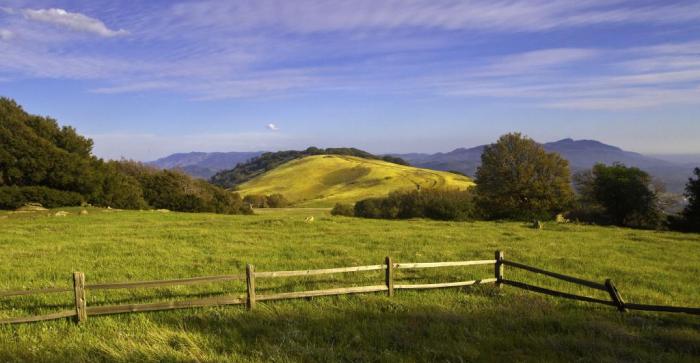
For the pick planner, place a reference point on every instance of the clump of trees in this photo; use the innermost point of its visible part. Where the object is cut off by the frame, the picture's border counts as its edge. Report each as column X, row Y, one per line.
column 518, row 179
column 270, row 160
column 13, row 197
column 439, row 204
column 43, row 162
column 617, row 195
column 343, row 209
column 266, row 201
column 689, row 218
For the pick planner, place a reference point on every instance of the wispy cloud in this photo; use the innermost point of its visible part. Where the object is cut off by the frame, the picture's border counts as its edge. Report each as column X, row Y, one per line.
column 306, row 16
column 75, row 21
column 213, row 50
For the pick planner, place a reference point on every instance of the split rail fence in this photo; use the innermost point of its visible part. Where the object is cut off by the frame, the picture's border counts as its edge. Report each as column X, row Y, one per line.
column 82, row 311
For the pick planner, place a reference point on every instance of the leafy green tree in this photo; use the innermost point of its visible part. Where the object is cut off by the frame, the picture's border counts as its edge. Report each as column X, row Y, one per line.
column 277, row 201
column 439, row 204
column 626, row 195
column 518, row 179
column 689, row 219
column 692, row 212
column 256, row 200
column 342, row 209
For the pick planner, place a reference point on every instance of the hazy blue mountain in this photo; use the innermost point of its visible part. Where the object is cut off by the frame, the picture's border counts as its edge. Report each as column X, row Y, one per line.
column 202, row 164
column 582, row 154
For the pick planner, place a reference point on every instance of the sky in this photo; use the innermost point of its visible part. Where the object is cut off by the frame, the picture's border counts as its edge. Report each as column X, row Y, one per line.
column 145, row 79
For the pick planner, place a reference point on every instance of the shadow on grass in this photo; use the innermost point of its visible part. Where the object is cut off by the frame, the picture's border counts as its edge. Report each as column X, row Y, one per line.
column 477, row 324
column 485, row 327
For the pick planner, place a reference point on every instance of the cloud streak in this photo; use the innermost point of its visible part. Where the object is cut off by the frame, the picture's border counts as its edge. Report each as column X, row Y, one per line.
column 74, row 21
column 218, row 50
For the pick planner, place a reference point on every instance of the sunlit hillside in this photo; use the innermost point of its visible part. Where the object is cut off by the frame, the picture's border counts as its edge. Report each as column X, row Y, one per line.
column 323, row 180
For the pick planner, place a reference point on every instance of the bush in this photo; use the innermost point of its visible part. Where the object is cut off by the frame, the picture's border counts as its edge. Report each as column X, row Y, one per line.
column 266, row 201
column 174, row 190
column 369, row 208
column 440, row 204
column 518, row 179
column 342, row 209
column 618, row 195
column 13, row 197
column 277, row 201
column 256, row 201
column 689, row 219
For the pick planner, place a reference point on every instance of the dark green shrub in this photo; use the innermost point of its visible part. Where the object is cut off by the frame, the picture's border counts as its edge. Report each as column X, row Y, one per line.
column 13, row 197
column 369, row 208
column 689, row 218
column 256, row 200
column 277, row 201
column 342, row 209
column 440, row 204
column 619, row 195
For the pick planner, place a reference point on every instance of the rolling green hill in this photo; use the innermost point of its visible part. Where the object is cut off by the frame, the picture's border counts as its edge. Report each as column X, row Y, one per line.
column 323, row 180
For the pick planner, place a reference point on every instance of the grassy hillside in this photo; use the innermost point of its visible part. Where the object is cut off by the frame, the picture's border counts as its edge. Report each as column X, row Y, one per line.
column 323, row 180
column 471, row 324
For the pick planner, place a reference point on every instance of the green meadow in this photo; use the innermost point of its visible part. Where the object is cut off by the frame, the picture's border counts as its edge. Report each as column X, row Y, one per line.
column 480, row 323
column 330, row 179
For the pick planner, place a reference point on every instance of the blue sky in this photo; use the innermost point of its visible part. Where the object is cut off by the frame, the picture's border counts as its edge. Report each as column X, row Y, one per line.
column 148, row 78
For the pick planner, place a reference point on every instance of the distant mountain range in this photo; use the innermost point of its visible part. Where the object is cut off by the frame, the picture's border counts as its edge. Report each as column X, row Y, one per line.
column 203, row 165
column 674, row 171
column 582, row 155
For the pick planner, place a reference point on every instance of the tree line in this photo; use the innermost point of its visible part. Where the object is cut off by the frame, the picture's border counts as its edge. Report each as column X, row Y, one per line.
column 43, row 162
column 519, row 180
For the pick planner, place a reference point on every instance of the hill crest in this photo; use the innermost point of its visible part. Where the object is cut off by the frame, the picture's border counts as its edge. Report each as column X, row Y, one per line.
column 323, row 180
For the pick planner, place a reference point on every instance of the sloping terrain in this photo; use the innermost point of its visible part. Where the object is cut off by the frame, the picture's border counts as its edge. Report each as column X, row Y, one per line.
column 323, row 180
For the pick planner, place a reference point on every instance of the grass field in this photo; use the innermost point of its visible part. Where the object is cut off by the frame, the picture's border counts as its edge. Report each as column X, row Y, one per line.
column 450, row 325
column 329, row 179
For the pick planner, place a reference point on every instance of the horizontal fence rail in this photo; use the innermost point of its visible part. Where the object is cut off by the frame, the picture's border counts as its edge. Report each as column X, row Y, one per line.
column 575, row 280
column 163, row 283
column 250, row 298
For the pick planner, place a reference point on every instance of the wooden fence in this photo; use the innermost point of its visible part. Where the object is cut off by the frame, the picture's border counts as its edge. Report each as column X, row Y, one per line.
column 82, row 311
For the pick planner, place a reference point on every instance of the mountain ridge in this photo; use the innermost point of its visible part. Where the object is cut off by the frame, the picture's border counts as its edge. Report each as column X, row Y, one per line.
column 581, row 154
column 204, row 164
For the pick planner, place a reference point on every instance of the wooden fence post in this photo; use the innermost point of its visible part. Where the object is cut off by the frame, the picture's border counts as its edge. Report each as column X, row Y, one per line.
column 498, row 269
column 615, row 295
column 79, row 292
column 250, row 283
column 389, row 276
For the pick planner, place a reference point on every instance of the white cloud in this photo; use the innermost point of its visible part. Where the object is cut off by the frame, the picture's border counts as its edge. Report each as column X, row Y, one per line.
column 272, row 127
column 6, row 34
column 74, row 21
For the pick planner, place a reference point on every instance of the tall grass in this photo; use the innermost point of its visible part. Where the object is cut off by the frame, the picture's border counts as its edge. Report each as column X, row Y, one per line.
column 471, row 324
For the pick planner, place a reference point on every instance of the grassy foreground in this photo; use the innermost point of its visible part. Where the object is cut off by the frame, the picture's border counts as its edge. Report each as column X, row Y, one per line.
column 451, row 325
column 329, row 179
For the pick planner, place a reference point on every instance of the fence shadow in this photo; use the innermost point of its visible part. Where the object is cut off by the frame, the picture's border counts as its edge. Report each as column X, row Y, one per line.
column 375, row 328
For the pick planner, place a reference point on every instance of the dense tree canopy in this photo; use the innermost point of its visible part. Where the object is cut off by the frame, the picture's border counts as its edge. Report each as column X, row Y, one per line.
column 439, row 204
column 43, row 162
column 689, row 219
column 620, row 195
column 518, row 179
